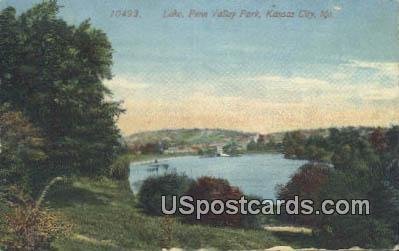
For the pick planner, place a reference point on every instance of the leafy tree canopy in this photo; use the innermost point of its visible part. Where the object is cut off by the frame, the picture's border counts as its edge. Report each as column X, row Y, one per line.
column 52, row 72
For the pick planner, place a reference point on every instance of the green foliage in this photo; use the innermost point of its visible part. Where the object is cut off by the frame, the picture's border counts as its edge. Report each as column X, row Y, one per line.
column 374, row 230
column 392, row 138
column 207, row 151
column 344, row 148
column 343, row 231
column 353, row 150
column 28, row 225
column 153, row 188
column 294, row 143
column 119, row 169
column 354, row 230
column 251, row 146
column 52, row 72
column 22, row 152
column 187, row 137
column 365, row 166
column 232, row 149
column 262, row 146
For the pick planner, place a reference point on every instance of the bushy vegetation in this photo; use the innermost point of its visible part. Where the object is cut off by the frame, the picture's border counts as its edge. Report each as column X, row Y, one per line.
column 207, row 151
column 208, row 188
column 306, row 183
column 153, row 188
column 22, row 152
column 263, row 145
column 363, row 165
column 204, row 188
column 29, row 225
column 119, row 169
column 377, row 230
column 233, row 149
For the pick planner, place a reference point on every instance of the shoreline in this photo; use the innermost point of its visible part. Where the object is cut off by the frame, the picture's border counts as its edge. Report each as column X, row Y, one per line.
column 151, row 159
column 160, row 158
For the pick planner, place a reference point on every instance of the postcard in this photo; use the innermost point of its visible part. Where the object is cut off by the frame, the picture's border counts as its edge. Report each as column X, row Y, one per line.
column 199, row 124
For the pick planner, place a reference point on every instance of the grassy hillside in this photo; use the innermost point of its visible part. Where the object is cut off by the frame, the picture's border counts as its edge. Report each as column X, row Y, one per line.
column 184, row 137
column 189, row 137
column 105, row 216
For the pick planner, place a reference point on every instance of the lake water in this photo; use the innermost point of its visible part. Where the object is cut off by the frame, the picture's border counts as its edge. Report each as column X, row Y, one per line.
column 255, row 174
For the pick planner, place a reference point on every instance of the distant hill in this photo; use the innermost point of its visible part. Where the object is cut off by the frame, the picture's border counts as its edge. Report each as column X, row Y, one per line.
column 189, row 137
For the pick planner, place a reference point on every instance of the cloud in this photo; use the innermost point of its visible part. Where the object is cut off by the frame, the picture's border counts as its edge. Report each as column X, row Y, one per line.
column 265, row 102
column 296, row 82
column 375, row 93
column 123, row 87
column 340, row 88
column 390, row 69
column 206, row 109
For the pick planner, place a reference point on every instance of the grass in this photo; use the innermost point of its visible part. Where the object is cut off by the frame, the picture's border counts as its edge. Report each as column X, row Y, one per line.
column 105, row 216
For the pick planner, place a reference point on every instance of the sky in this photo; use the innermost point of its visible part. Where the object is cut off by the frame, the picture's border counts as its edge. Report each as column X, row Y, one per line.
column 251, row 74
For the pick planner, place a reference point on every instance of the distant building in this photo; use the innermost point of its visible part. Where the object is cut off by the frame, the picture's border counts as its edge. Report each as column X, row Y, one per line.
column 219, row 151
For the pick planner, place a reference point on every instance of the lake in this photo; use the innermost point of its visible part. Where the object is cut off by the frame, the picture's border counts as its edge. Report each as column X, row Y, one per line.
column 254, row 174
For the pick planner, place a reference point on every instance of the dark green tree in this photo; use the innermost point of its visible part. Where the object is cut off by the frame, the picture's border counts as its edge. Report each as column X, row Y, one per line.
column 294, row 144
column 232, row 149
column 392, row 137
column 52, row 72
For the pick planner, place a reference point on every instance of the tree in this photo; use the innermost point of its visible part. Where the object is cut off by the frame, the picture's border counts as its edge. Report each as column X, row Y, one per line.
column 52, row 72
column 251, row 146
column 368, row 231
column 378, row 140
column 272, row 143
column 306, row 183
column 293, row 143
column 392, row 136
column 21, row 151
column 151, row 148
column 232, row 149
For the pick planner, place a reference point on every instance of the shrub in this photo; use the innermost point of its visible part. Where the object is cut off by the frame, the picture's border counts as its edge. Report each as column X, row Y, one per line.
column 208, row 188
column 306, row 183
column 153, row 188
column 344, row 231
column 29, row 226
column 119, row 169
column 376, row 230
